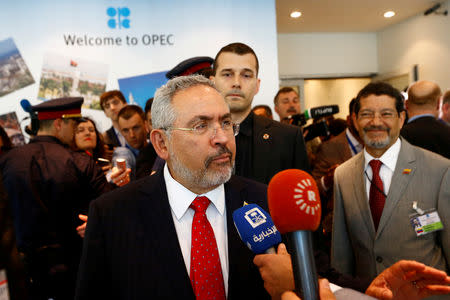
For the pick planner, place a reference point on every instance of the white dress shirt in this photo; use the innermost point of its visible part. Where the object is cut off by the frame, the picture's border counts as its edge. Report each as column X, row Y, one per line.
column 389, row 160
column 180, row 198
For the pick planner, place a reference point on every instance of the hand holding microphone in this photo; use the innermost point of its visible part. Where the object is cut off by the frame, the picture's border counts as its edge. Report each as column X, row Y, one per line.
column 294, row 205
column 276, row 271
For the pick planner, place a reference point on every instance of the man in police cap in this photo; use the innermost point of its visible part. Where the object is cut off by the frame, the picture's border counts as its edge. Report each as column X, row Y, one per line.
column 48, row 186
column 201, row 65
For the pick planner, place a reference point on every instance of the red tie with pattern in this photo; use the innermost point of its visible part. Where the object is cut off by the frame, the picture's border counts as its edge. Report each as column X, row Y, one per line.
column 206, row 272
column 376, row 194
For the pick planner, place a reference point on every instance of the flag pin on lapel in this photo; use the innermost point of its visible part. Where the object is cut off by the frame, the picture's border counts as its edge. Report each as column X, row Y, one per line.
column 406, row 171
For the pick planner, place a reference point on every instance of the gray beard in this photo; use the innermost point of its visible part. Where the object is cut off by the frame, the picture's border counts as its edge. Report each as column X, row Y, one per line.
column 203, row 178
column 377, row 144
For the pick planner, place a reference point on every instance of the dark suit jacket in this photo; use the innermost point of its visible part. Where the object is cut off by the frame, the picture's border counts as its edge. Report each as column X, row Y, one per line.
column 9, row 256
column 276, row 147
column 131, row 249
column 110, row 138
column 428, row 133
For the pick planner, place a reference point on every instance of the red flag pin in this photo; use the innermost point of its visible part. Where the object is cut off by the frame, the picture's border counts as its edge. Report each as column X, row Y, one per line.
column 406, row 171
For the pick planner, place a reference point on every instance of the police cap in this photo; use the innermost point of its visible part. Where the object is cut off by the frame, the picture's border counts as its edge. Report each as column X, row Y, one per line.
column 190, row 66
column 65, row 108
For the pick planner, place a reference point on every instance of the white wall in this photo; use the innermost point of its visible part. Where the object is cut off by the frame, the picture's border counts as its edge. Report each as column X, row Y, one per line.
column 309, row 55
column 340, row 91
column 421, row 40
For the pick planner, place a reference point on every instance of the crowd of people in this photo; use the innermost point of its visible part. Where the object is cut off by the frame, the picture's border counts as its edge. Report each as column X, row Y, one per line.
column 144, row 209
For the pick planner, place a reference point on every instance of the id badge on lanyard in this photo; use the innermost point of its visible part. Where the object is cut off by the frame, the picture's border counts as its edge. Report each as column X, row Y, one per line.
column 425, row 221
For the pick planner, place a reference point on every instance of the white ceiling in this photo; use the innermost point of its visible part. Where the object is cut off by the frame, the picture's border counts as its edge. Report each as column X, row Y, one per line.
column 345, row 15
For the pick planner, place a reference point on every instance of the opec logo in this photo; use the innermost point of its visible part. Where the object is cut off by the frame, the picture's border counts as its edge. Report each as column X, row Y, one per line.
column 118, row 17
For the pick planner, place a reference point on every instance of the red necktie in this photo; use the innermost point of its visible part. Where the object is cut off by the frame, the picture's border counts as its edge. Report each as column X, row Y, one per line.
column 206, row 272
column 376, row 194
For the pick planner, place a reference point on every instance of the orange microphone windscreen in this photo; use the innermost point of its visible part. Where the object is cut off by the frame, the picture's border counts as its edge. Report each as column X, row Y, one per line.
column 294, row 201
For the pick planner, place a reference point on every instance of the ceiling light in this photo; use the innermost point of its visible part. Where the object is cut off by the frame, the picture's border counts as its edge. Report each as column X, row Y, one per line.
column 296, row 14
column 389, row 14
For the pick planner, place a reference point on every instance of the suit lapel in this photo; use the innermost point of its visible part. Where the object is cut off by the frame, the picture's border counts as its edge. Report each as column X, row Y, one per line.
column 359, row 187
column 155, row 199
column 241, row 272
column 262, row 142
column 233, row 201
column 400, row 180
column 113, row 136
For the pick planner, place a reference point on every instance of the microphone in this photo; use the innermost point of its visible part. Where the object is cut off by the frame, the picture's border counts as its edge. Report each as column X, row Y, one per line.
column 27, row 107
column 312, row 113
column 256, row 229
column 294, row 204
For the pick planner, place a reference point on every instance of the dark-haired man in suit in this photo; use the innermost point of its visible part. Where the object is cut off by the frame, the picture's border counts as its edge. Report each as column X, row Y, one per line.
column 264, row 147
column 112, row 102
column 171, row 235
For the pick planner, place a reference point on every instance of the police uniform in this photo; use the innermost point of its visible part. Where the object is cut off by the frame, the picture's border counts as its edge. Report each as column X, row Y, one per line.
column 48, row 186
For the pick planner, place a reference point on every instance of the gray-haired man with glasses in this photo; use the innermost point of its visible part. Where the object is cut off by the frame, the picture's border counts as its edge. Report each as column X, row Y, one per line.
column 146, row 235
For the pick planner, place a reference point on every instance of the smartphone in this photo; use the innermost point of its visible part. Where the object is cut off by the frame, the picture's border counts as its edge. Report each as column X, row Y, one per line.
column 103, row 162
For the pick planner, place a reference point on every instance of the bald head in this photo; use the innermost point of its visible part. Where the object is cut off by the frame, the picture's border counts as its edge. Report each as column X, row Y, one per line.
column 424, row 93
column 423, row 98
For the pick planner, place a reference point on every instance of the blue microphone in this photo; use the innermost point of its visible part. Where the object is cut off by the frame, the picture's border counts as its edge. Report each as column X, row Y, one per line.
column 256, row 229
column 26, row 105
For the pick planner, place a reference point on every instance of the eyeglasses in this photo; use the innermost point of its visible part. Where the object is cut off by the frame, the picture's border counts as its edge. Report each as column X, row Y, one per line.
column 202, row 128
column 370, row 115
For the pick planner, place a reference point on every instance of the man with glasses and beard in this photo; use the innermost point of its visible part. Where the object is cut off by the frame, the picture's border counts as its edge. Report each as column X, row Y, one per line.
column 382, row 190
column 171, row 235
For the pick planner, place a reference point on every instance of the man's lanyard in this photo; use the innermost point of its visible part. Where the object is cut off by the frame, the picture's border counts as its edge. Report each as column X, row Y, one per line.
column 351, row 145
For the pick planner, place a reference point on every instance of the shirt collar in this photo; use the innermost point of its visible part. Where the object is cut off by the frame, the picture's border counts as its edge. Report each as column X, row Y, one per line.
column 180, row 198
column 389, row 158
column 246, row 126
column 420, row 116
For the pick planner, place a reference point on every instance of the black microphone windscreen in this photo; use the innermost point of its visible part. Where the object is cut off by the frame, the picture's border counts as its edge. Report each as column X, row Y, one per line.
column 323, row 111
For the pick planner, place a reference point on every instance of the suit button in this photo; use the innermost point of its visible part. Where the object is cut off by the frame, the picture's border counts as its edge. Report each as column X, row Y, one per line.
column 379, row 259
